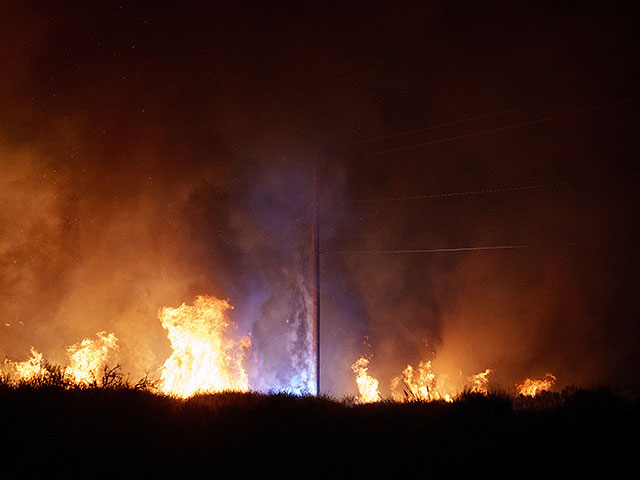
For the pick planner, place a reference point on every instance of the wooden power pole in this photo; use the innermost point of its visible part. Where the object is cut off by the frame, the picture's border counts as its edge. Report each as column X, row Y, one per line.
column 315, row 243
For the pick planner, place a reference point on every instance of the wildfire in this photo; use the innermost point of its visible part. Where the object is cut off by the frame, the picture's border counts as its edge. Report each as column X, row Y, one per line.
column 419, row 384
column 479, row 382
column 27, row 370
column 530, row 387
column 367, row 385
column 204, row 358
column 88, row 357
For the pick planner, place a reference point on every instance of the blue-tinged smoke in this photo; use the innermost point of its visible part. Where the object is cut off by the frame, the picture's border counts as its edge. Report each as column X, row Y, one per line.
column 274, row 233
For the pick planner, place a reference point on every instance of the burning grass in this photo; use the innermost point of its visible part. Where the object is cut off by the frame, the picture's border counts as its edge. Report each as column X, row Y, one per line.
column 119, row 427
column 88, row 417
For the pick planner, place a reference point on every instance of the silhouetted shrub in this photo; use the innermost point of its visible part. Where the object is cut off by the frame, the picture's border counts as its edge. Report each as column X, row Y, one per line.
column 117, row 429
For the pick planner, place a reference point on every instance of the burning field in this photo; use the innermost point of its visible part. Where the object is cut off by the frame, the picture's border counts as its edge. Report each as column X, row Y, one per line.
column 198, row 416
column 206, row 358
column 374, row 239
column 182, row 206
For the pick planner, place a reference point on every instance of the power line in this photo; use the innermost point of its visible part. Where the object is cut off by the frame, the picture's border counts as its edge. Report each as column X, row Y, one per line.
column 488, row 115
column 506, row 127
column 466, row 249
column 448, row 124
column 495, row 190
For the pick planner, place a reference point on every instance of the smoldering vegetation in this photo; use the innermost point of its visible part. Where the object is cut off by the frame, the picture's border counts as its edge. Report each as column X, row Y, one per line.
column 115, row 427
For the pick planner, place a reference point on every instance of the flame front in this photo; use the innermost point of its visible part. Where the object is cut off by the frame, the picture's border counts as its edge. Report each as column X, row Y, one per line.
column 367, row 385
column 530, row 387
column 419, row 384
column 88, row 357
column 479, row 382
column 204, row 359
column 27, row 370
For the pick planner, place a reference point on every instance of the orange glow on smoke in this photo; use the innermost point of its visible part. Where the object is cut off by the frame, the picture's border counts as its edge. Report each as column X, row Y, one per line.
column 530, row 387
column 367, row 385
column 204, row 358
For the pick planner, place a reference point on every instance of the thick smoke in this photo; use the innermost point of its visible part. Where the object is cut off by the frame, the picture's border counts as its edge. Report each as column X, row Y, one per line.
column 121, row 196
column 86, row 249
column 149, row 155
column 83, row 259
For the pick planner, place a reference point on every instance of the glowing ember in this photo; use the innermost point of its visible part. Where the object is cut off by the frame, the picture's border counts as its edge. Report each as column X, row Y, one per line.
column 531, row 388
column 419, row 384
column 204, row 358
column 479, row 382
column 367, row 385
column 27, row 370
column 88, row 357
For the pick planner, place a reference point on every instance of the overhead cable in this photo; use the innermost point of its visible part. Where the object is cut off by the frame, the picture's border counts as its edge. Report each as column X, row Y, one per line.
column 466, row 249
column 504, row 128
column 487, row 191
column 488, row 115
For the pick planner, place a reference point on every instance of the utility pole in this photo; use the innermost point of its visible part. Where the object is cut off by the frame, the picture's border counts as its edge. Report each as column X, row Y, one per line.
column 315, row 244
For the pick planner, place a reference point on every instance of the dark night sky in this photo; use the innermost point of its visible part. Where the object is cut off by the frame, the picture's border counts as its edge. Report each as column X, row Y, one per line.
column 151, row 152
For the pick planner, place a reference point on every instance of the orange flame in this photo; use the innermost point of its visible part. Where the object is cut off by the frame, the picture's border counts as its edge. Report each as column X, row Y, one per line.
column 88, row 357
column 530, row 387
column 480, row 382
column 27, row 370
column 204, row 359
column 367, row 385
column 420, row 384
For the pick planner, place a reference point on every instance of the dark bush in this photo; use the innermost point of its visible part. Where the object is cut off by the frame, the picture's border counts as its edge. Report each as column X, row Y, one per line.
column 114, row 428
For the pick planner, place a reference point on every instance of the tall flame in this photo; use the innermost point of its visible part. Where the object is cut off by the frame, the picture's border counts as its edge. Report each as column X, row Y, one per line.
column 367, row 385
column 419, row 384
column 88, row 357
column 530, row 387
column 204, row 358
